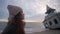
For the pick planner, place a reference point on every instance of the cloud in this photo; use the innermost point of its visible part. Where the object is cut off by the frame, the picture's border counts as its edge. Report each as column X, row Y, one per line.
column 3, row 9
column 54, row 4
column 38, row 17
column 34, row 7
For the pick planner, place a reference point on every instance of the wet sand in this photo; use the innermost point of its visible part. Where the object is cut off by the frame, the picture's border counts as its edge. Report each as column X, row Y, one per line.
column 48, row 32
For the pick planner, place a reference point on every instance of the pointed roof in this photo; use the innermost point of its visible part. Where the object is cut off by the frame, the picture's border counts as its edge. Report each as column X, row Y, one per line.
column 47, row 7
column 49, row 10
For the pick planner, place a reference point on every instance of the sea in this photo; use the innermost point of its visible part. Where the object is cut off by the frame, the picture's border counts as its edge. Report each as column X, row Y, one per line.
column 30, row 27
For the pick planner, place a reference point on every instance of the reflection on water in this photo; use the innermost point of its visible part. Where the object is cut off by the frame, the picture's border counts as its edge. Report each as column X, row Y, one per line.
column 29, row 28
column 2, row 26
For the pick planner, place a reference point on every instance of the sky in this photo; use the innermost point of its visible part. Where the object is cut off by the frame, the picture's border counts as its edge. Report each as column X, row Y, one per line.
column 30, row 8
column 54, row 4
column 33, row 9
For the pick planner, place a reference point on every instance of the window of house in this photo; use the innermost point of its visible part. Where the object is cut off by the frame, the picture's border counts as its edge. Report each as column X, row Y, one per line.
column 46, row 24
column 55, row 21
column 50, row 22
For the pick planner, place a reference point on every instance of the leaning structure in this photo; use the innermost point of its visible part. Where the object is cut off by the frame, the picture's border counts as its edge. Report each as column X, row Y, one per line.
column 52, row 20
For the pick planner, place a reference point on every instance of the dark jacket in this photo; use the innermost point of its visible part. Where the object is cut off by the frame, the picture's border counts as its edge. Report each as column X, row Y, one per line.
column 13, row 28
column 10, row 29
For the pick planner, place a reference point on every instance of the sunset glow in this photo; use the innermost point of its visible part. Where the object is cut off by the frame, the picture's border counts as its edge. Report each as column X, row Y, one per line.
column 3, row 20
column 33, row 21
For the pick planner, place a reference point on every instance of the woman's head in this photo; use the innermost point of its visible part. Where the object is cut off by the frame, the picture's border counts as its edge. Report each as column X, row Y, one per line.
column 19, row 16
column 15, row 12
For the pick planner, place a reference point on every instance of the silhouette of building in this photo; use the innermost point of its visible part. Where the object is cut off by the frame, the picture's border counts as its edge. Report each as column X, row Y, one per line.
column 52, row 20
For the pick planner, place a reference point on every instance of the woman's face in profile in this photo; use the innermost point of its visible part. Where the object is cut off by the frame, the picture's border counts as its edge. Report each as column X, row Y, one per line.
column 21, row 15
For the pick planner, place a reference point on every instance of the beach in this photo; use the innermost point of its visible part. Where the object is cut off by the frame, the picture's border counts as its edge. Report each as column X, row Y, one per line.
column 47, row 32
column 34, row 30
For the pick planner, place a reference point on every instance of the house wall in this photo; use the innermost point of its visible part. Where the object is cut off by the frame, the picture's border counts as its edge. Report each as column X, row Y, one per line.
column 52, row 20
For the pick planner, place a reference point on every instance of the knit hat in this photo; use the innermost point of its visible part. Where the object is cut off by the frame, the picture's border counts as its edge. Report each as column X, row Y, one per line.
column 13, row 10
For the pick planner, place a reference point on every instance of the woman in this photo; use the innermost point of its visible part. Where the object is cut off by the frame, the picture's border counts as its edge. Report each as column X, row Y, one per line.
column 15, row 24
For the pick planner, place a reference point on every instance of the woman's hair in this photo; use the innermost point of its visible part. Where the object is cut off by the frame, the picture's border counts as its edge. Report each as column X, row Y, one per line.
column 16, row 16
